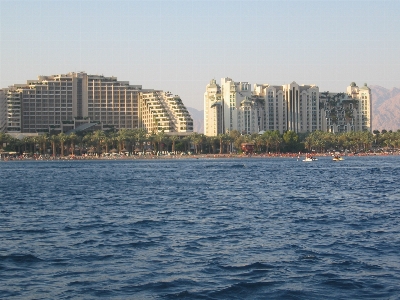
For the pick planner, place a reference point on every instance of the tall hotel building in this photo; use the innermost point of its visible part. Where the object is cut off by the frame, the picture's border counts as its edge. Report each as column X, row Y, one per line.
column 78, row 100
column 299, row 108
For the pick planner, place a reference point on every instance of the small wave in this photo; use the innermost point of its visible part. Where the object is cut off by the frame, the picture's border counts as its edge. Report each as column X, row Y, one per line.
column 180, row 295
column 256, row 265
column 93, row 258
column 238, row 166
column 308, row 257
column 243, row 290
column 30, row 231
column 146, row 222
column 343, row 283
column 20, row 258
column 163, row 286
column 141, row 244
column 79, row 283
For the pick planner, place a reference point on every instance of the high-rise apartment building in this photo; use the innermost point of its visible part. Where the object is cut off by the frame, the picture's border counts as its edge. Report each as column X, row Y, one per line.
column 343, row 112
column 299, row 108
column 290, row 107
column 226, row 106
column 213, row 118
column 67, row 101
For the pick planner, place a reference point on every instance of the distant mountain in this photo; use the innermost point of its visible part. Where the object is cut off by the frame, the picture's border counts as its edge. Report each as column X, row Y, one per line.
column 385, row 108
column 198, row 119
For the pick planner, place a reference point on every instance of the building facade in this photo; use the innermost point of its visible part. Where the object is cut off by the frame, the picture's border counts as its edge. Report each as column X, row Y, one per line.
column 66, row 101
column 3, row 110
column 163, row 111
column 299, row 108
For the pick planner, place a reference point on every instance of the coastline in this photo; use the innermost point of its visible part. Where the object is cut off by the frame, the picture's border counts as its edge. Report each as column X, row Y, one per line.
column 186, row 156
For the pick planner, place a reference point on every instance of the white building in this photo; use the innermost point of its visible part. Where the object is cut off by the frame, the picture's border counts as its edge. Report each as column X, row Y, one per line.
column 290, row 107
column 345, row 112
column 222, row 103
column 299, row 108
column 213, row 118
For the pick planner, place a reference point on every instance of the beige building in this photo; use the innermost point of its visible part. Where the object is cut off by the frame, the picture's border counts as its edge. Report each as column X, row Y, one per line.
column 163, row 111
column 290, row 107
column 76, row 101
column 299, row 108
column 3, row 111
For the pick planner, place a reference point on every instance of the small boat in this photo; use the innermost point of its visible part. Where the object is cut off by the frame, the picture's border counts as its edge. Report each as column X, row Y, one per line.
column 337, row 158
column 310, row 158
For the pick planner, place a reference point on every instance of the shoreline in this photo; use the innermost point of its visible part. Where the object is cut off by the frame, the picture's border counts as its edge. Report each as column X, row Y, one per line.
column 194, row 156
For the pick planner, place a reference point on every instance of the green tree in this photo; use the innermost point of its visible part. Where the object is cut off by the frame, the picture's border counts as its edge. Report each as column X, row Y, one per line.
column 72, row 137
column 53, row 140
column 291, row 140
column 62, row 137
column 173, row 139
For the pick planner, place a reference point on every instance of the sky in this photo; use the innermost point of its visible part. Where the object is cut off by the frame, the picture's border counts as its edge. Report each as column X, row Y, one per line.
column 179, row 46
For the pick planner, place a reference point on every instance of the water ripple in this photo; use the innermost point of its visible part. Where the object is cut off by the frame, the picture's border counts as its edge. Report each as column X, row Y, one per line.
column 200, row 229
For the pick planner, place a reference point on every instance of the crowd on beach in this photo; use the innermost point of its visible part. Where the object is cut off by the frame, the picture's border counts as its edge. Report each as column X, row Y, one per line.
column 182, row 155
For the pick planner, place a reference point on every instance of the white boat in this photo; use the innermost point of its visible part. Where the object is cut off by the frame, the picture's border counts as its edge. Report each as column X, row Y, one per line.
column 310, row 159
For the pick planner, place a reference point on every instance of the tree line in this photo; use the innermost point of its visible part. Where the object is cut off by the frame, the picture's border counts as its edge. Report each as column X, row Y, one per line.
column 137, row 140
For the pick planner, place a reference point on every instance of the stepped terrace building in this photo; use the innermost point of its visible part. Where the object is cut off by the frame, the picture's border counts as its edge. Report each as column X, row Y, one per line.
column 77, row 101
column 163, row 111
column 3, row 111
column 299, row 108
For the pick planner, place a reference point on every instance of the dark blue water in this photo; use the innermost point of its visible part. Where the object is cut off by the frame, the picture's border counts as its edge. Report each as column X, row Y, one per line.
column 247, row 228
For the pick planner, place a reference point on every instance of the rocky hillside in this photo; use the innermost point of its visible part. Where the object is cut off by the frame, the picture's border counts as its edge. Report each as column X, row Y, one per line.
column 385, row 108
column 198, row 121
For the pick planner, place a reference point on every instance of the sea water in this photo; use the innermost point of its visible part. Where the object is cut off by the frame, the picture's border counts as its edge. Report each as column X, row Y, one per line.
column 250, row 228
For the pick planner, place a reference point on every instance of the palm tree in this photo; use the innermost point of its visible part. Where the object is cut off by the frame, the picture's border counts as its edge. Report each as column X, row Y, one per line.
column 174, row 138
column 98, row 138
column 228, row 141
column 152, row 140
column 268, row 139
column 276, row 140
column 140, row 136
column 53, row 140
column 195, row 138
column 259, row 142
column 106, row 142
column 186, row 142
column 122, row 137
column 3, row 139
column 27, row 141
column 87, row 140
column 160, row 137
column 72, row 137
column 41, row 141
column 62, row 137
column 80, row 142
column 222, row 138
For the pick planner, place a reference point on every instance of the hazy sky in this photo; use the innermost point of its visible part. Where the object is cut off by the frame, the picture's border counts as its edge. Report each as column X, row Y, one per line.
column 179, row 46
